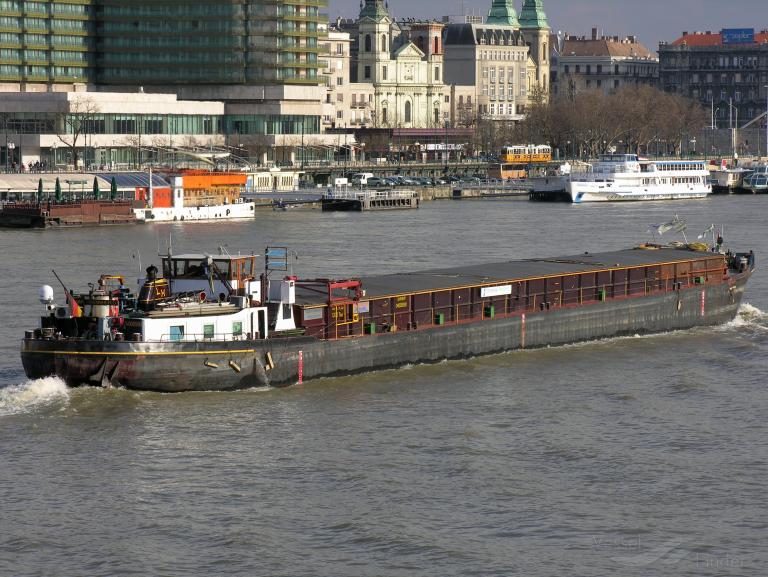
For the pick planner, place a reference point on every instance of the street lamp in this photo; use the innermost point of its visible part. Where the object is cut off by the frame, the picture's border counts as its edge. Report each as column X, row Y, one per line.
column 766, row 119
column 54, row 146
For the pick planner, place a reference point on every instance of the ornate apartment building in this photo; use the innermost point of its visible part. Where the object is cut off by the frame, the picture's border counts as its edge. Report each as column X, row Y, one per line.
column 726, row 71
column 601, row 63
column 496, row 67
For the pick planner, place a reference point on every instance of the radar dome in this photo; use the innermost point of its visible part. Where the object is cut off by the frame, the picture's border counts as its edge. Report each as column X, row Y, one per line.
column 45, row 294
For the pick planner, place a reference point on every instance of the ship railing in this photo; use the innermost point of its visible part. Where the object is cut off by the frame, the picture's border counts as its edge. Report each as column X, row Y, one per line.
column 370, row 194
column 529, row 303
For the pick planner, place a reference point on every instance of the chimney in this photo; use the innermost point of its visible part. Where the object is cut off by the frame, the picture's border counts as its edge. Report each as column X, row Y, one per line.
column 685, row 33
column 594, row 34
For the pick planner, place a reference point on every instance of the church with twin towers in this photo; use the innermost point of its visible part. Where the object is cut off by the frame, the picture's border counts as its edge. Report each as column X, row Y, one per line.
column 433, row 73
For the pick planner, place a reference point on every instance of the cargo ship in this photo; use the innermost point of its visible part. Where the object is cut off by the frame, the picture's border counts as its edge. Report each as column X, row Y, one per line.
column 211, row 322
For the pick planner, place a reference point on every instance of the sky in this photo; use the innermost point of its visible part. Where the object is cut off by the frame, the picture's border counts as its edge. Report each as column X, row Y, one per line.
column 651, row 21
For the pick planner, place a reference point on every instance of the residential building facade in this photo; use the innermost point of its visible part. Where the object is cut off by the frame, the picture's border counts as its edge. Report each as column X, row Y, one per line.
column 498, row 66
column 604, row 63
column 726, row 71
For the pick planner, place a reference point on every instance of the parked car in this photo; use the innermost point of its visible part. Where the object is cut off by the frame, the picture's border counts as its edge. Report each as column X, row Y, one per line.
column 360, row 178
column 376, row 181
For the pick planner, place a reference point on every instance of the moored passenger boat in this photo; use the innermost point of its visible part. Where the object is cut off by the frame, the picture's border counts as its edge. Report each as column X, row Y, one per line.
column 619, row 177
column 757, row 180
column 210, row 323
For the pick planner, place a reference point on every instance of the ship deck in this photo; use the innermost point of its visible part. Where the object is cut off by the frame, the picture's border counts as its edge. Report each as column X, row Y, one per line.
column 493, row 273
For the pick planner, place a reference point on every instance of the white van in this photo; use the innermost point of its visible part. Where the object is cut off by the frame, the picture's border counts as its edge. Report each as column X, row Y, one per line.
column 361, row 178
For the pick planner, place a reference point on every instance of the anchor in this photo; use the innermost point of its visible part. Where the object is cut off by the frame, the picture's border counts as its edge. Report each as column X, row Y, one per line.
column 103, row 377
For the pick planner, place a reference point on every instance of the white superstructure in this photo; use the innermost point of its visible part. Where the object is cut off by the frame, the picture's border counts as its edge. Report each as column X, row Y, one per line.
column 179, row 210
column 616, row 177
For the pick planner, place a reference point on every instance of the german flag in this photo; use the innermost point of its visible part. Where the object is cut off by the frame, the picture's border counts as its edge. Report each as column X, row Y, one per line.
column 74, row 308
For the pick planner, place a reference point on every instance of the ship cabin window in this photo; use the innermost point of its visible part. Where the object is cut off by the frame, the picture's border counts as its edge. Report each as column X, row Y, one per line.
column 237, row 329
column 177, row 332
column 208, row 331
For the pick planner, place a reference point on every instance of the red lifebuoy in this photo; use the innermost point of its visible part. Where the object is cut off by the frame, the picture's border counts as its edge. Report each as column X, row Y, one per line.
column 202, row 297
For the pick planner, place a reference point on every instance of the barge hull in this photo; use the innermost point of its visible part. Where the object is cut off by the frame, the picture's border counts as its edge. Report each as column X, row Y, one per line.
column 174, row 367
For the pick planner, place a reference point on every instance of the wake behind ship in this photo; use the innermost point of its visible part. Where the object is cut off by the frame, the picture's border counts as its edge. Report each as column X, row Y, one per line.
column 211, row 323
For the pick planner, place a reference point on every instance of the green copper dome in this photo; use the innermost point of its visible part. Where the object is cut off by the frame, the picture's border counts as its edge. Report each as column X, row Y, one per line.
column 532, row 15
column 373, row 9
column 503, row 13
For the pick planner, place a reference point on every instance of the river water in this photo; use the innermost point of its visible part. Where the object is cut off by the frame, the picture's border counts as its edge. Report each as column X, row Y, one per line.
column 633, row 456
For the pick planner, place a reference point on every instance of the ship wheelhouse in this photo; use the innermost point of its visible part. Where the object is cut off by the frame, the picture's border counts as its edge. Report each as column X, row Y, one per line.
column 215, row 275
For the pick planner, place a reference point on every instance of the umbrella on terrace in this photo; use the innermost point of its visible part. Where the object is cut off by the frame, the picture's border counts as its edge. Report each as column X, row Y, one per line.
column 57, row 190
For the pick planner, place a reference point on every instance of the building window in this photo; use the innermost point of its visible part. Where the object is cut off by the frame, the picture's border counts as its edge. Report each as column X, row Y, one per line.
column 437, row 45
column 384, row 73
column 340, row 97
column 408, row 111
column 578, row 69
column 367, row 73
column 383, row 42
column 437, row 74
column 384, row 115
column 367, row 42
column 447, row 99
column 177, row 333
column 339, row 81
column 437, row 116
column 339, row 114
column 340, row 49
column 208, row 331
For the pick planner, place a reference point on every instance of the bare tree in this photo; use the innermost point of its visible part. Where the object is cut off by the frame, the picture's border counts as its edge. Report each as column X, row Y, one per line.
column 632, row 119
column 77, row 123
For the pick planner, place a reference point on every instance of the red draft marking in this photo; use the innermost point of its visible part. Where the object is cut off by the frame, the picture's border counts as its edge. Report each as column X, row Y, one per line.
column 301, row 366
column 522, row 336
column 703, row 301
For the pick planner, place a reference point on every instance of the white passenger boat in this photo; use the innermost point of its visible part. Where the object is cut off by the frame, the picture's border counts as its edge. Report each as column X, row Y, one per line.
column 616, row 177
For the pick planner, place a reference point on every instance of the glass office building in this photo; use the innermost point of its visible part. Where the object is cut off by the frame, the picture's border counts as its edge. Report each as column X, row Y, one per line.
column 161, row 42
column 46, row 41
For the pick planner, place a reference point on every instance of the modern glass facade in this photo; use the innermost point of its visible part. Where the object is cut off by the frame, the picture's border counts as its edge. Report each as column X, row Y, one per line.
column 204, row 42
column 158, row 124
column 46, row 41
column 145, row 42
